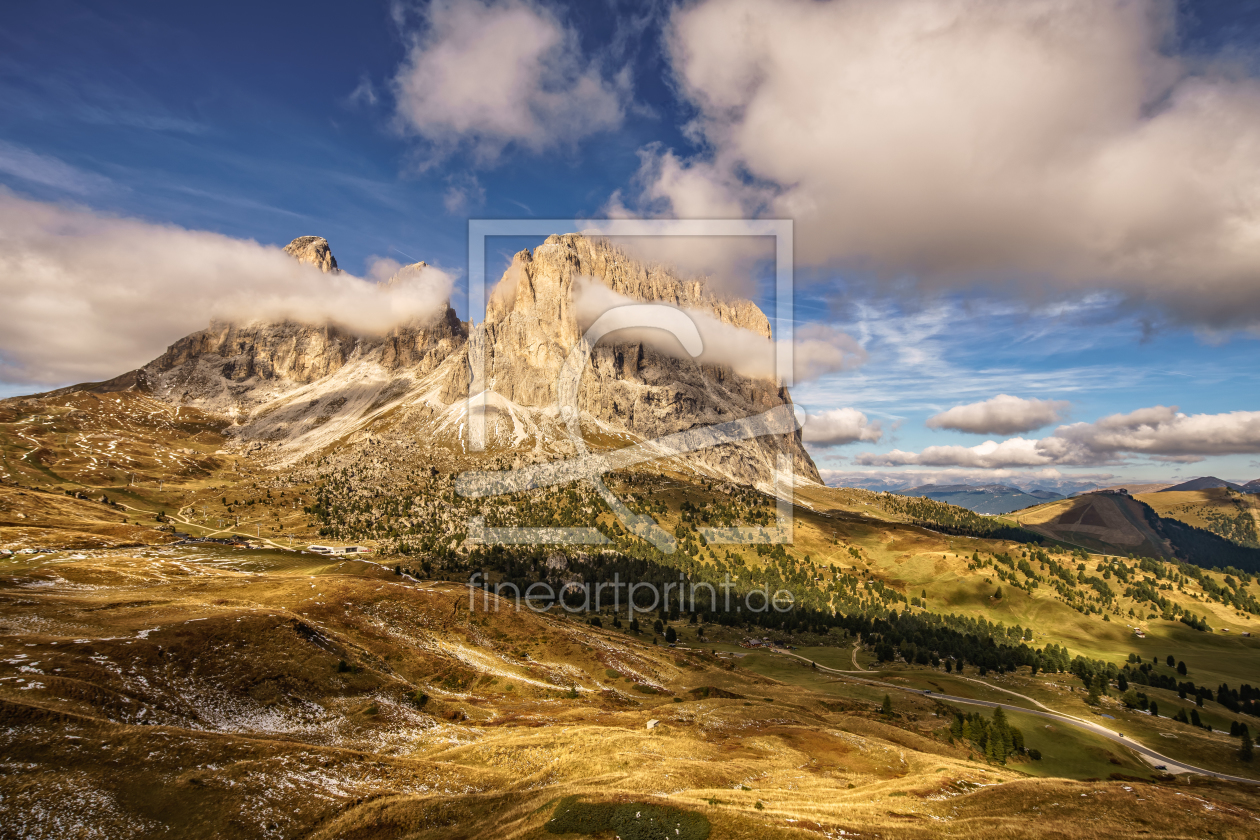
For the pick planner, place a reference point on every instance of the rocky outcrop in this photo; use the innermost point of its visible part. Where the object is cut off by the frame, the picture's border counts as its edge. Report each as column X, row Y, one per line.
column 313, row 250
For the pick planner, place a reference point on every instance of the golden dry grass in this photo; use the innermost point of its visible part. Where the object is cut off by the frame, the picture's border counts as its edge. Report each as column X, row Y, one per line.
column 197, row 692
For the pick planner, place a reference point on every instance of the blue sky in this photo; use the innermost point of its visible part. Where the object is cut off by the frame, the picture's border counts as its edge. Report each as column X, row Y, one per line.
column 269, row 121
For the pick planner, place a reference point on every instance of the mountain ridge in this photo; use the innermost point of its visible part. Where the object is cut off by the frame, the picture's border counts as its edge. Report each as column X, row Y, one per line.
column 1206, row 482
column 294, row 392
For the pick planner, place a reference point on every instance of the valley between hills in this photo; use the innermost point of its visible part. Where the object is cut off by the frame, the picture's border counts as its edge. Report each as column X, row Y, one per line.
column 174, row 659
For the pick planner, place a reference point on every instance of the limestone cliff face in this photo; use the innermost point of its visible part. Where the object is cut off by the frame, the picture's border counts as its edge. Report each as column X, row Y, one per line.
column 298, row 389
column 313, row 250
column 531, row 326
column 286, row 351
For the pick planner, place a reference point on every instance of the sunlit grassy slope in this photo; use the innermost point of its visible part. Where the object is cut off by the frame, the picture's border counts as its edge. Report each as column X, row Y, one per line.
column 212, row 692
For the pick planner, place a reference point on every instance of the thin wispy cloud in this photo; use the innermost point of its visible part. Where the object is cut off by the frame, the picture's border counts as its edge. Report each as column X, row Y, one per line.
column 49, row 171
column 931, row 358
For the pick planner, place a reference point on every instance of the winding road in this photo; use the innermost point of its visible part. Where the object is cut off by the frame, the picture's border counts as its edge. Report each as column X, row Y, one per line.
column 1153, row 757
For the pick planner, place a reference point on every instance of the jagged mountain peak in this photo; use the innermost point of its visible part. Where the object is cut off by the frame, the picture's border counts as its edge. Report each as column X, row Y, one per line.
column 407, row 272
column 313, row 250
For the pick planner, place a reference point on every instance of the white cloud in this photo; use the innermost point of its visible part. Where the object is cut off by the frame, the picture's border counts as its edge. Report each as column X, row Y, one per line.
column 1052, row 141
column 1024, row 479
column 838, row 427
column 485, row 75
column 1015, row 452
column 363, row 94
column 1001, row 415
column 463, row 195
column 49, row 171
column 89, row 296
column 1158, row 432
column 818, row 350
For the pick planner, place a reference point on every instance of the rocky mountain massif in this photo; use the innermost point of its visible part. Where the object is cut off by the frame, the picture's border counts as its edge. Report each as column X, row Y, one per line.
column 293, row 391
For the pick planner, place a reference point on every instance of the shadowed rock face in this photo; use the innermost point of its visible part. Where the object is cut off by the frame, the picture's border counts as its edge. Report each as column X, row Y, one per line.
column 297, row 389
column 313, row 250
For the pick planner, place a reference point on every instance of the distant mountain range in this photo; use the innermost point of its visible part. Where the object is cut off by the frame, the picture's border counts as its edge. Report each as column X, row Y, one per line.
column 984, row 498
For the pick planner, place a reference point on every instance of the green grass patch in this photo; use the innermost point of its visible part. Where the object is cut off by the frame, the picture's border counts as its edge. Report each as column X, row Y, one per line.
column 1071, row 753
column 631, row 820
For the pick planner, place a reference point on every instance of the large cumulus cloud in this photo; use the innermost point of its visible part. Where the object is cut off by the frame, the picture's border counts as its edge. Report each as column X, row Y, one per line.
column 1053, row 144
column 483, row 75
column 840, row 426
column 1001, row 415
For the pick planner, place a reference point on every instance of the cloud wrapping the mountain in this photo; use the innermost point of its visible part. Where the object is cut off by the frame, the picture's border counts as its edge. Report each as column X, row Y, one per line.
column 817, row 351
column 1053, row 143
column 1157, row 432
column 484, row 75
column 88, row 296
column 838, row 427
column 1001, row 415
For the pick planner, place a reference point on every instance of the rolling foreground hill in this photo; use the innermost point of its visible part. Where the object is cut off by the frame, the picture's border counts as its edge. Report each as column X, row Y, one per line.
column 1116, row 523
column 1232, row 515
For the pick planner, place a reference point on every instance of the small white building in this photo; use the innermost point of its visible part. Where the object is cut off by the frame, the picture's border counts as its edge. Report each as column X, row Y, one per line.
column 338, row 551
